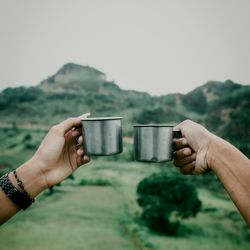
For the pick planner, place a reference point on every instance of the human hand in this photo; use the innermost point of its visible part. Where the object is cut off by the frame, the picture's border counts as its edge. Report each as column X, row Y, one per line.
column 61, row 152
column 192, row 150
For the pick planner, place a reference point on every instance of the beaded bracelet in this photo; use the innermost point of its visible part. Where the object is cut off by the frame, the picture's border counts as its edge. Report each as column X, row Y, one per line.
column 20, row 184
column 21, row 199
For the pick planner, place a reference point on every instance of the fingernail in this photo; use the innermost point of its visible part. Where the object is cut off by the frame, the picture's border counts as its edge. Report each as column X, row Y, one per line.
column 86, row 158
column 84, row 115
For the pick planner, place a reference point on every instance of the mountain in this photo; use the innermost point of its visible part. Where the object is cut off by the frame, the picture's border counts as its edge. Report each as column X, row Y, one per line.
column 223, row 107
column 74, row 78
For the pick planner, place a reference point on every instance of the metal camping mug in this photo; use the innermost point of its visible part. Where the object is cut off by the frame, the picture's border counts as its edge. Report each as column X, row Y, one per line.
column 154, row 143
column 102, row 135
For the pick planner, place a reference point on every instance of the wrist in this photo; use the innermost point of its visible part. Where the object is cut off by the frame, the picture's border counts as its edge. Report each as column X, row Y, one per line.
column 32, row 178
column 215, row 148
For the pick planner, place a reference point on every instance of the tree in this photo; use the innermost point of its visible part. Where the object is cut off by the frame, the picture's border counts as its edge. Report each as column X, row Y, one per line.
column 166, row 200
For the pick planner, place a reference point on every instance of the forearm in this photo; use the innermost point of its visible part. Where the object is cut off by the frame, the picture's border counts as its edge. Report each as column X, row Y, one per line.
column 33, row 182
column 233, row 169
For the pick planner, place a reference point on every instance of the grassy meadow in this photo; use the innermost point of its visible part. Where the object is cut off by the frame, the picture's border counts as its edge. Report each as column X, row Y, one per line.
column 97, row 209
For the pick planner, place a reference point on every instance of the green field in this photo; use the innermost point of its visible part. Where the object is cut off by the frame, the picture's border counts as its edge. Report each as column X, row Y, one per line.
column 103, row 214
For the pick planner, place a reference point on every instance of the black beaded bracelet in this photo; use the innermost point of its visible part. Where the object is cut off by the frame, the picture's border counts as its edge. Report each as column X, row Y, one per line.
column 20, row 184
column 21, row 199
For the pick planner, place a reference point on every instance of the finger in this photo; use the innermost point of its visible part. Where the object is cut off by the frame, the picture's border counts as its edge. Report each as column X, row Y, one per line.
column 84, row 115
column 184, row 161
column 81, row 160
column 75, row 133
column 79, row 143
column 72, row 136
column 188, row 169
column 80, row 140
column 182, row 153
column 80, row 152
column 180, row 143
column 66, row 125
column 78, row 127
column 86, row 158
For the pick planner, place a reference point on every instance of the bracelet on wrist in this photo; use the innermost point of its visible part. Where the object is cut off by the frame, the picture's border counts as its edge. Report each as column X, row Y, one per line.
column 20, row 184
column 21, row 199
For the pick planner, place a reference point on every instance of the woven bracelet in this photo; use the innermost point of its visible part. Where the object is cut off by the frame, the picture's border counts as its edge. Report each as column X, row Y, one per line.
column 20, row 184
column 21, row 199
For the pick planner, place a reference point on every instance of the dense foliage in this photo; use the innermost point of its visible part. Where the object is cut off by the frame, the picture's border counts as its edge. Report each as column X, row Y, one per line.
column 166, row 200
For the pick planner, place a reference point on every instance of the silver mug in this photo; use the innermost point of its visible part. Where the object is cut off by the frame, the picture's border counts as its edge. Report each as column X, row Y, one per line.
column 102, row 135
column 154, row 142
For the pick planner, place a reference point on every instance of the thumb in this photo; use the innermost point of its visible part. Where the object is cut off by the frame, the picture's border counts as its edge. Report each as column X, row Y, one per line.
column 196, row 134
column 67, row 125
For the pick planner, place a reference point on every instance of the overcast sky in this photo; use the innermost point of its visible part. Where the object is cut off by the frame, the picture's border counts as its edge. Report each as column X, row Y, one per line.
column 158, row 46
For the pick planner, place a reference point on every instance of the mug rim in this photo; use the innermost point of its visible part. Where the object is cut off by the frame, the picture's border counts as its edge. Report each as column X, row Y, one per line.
column 154, row 125
column 101, row 118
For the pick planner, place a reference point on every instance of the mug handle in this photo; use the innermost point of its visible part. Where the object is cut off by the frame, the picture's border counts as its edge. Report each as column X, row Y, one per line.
column 177, row 133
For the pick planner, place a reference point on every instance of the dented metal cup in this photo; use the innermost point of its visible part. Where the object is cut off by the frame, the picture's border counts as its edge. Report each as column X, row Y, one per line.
column 102, row 135
column 154, row 142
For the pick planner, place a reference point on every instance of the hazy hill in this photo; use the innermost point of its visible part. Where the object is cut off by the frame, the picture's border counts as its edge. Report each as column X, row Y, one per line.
column 74, row 78
column 224, row 107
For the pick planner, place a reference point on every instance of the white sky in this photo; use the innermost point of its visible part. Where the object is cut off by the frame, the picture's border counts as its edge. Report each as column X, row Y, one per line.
column 158, row 46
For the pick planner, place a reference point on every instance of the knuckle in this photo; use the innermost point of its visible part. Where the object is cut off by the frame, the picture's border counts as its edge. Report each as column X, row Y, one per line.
column 193, row 157
column 55, row 129
column 187, row 160
column 178, row 142
column 181, row 153
column 69, row 120
column 72, row 119
column 187, row 122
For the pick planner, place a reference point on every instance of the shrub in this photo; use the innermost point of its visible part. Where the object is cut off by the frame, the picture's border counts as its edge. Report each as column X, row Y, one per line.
column 27, row 137
column 166, row 200
column 97, row 182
